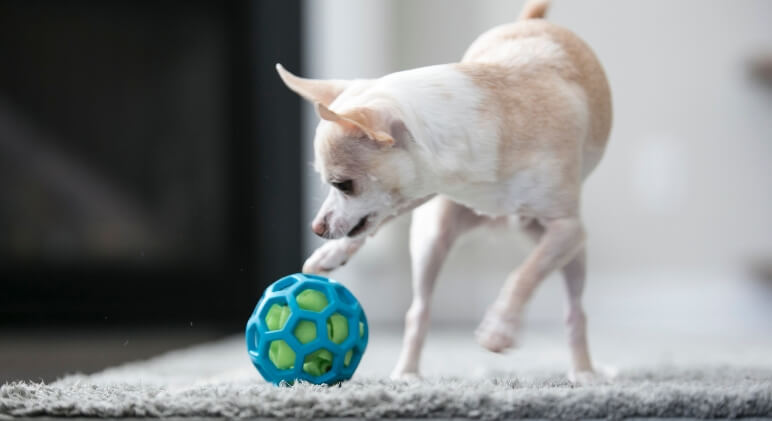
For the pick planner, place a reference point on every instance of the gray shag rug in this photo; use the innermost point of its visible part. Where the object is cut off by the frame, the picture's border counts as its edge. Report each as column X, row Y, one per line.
column 216, row 380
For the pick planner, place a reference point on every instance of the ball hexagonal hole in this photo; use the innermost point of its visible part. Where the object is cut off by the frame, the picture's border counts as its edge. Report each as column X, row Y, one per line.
column 305, row 331
column 337, row 328
column 345, row 295
column 315, row 276
column 281, row 355
column 349, row 356
column 312, row 300
column 277, row 316
column 254, row 337
column 318, row 362
column 283, row 283
column 361, row 328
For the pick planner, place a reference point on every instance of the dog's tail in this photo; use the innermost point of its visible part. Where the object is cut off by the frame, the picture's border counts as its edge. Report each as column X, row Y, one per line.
column 534, row 9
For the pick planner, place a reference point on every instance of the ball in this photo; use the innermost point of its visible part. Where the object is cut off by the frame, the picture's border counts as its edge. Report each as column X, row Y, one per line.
column 307, row 327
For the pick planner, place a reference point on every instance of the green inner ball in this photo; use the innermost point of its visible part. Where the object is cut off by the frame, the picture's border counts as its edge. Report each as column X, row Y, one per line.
column 311, row 299
column 319, row 361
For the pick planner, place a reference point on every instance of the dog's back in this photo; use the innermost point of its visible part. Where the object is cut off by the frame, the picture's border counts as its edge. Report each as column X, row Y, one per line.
column 544, row 69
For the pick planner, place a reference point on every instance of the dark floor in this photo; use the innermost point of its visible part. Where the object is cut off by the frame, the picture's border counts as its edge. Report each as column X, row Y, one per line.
column 40, row 354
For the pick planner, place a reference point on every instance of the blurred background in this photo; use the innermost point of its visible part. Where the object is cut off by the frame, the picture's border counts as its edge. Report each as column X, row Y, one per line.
column 150, row 175
column 678, row 213
column 156, row 175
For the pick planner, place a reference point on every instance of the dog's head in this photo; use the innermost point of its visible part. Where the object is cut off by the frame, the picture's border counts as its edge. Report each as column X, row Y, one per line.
column 361, row 151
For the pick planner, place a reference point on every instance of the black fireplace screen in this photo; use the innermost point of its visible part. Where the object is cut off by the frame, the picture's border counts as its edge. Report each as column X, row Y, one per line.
column 149, row 159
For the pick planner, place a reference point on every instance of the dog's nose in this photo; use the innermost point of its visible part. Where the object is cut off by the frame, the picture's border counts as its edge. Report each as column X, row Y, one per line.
column 320, row 227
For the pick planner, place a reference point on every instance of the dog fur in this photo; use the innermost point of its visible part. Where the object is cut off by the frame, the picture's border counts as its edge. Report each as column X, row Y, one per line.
column 510, row 131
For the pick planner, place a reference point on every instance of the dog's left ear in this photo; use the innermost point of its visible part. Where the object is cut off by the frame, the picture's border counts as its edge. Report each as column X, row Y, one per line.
column 314, row 90
column 373, row 123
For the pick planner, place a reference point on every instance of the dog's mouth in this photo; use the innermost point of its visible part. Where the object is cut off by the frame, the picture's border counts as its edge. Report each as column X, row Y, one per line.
column 360, row 227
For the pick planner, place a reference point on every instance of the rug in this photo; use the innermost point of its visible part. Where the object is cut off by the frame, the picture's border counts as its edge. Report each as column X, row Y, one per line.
column 216, row 380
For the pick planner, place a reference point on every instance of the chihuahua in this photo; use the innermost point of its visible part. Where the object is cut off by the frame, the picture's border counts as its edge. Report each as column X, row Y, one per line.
column 508, row 133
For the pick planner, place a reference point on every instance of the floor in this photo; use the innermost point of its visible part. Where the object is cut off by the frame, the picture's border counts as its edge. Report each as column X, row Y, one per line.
column 42, row 355
column 39, row 354
column 660, row 372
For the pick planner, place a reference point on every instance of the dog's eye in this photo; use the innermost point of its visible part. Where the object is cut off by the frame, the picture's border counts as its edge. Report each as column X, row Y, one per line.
column 346, row 186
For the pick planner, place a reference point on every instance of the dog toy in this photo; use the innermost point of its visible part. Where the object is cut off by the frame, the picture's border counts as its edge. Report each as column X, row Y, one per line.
column 306, row 327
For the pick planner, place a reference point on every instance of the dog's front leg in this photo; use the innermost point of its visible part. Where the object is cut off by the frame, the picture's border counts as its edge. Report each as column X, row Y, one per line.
column 335, row 253
column 332, row 255
column 561, row 241
column 434, row 228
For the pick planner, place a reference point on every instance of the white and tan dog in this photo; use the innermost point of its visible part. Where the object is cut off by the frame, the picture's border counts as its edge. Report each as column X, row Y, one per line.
column 510, row 131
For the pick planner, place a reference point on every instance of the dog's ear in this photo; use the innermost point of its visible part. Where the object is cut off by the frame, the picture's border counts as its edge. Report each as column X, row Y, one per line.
column 314, row 90
column 373, row 123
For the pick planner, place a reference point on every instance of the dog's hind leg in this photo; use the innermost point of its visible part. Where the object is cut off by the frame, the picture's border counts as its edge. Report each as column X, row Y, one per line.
column 574, row 275
column 576, row 321
column 559, row 241
column 434, row 228
column 582, row 371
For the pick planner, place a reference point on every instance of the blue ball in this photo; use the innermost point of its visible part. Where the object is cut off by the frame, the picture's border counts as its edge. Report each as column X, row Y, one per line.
column 307, row 327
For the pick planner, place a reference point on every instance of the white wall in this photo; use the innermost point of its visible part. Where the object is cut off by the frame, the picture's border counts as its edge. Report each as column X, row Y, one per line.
column 679, row 205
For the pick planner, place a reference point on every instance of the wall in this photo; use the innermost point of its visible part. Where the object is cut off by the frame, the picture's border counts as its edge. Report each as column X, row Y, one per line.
column 678, row 207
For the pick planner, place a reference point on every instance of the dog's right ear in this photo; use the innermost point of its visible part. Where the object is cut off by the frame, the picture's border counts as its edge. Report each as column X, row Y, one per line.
column 371, row 122
column 314, row 90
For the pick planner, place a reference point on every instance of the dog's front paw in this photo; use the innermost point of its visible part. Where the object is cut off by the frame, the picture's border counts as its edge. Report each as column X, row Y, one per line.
column 403, row 375
column 330, row 256
column 497, row 333
column 601, row 375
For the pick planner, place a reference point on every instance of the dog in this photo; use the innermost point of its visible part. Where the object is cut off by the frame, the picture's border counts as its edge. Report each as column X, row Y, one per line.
column 509, row 132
